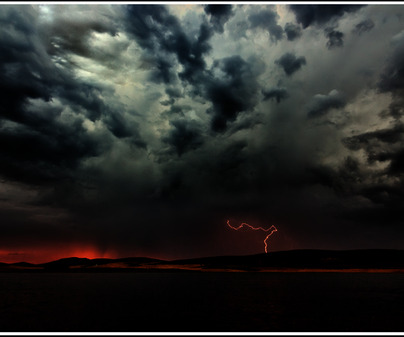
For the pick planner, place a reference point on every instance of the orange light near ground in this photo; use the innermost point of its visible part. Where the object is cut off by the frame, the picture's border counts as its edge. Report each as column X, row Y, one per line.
column 46, row 254
column 271, row 229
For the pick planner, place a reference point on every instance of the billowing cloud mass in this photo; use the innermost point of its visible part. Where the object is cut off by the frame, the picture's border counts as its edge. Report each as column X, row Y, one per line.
column 219, row 15
column 363, row 26
column 319, row 15
column 335, row 38
column 292, row 31
column 277, row 93
column 290, row 63
column 138, row 130
column 321, row 104
column 268, row 20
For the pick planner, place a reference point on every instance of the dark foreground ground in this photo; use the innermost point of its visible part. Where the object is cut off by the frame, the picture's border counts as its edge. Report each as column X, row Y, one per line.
column 201, row 302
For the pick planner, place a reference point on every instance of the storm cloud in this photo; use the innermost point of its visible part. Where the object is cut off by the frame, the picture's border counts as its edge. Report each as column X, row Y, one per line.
column 219, row 15
column 363, row 26
column 321, row 104
column 267, row 20
column 233, row 94
column 290, row 63
column 335, row 38
column 292, row 31
column 138, row 130
column 184, row 136
column 308, row 15
column 278, row 94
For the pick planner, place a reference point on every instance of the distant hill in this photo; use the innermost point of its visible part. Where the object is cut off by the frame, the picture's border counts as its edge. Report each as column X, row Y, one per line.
column 72, row 262
column 292, row 260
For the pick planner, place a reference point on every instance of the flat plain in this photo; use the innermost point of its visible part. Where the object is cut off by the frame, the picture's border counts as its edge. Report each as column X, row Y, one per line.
column 201, row 302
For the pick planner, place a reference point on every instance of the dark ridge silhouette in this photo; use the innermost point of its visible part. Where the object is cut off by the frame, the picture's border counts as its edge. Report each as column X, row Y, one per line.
column 282, row 260
column 66, row 263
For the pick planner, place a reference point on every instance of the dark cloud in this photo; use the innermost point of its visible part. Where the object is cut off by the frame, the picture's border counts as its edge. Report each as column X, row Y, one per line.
column 392, row 77
column 153, row 26
column 386, row 196
column 322, row 104
column 85, row 97
column 335, row 38
column 363, row 26
column 292, row 31
column 348, row 176
column 308, row 15
column 380, row 178
column 391, row 197
column 37, row 146
column 173, row 94
column 382, row 146
column 20, row 64
column 277, row 93
column 233, row 94
column 46, row 155
column 184, row 136
column 389, row 135
column 230, row 95
column 395, row 109
column 43, row 146
column 219, row 15
column 169, row 134
column 145, row 23
column 370, row 140
column 160, row 34
column 267, row 20
column 190, row 54
column 178, row 109
column 290, row 63
column 121, row 127
column 162, row 72
column 72, row 34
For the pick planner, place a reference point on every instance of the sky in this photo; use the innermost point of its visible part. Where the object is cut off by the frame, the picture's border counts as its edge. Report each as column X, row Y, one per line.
column 139, row 130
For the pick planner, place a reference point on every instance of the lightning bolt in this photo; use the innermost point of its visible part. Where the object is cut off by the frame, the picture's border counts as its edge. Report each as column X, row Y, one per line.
column 271, row 230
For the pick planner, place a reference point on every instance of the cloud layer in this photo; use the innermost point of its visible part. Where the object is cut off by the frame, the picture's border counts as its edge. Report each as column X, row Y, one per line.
column 140, row 129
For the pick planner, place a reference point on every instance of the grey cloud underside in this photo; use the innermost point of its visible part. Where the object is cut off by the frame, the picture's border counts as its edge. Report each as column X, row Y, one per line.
column 382, row 146
column 184, row 136
column 160, row 33
column 267, row 20
column 278, row 94
column 335, row 38
column 308, row 15
column 34, row 139
column 328, row 17
column 233, row 94
column 292, row 31
column 321, row 104
column 229, row 96
column 385, row 146
column 363, row 26
column 230, row 115
column 219, row 15
column 290, row 63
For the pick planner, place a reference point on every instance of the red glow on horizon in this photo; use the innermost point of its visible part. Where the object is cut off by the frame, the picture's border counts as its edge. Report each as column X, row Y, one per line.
column 273, row 229
column 48, row 254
